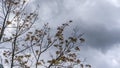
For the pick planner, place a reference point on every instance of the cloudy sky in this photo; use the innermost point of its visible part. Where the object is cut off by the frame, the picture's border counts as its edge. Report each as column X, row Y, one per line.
column 98, row 19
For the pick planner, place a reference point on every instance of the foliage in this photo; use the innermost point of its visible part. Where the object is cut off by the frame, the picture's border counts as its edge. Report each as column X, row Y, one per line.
column 27, row 46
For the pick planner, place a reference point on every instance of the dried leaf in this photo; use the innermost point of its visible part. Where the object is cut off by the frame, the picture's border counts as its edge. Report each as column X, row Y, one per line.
column 8, row 22
column 82, row 39
column 77, row 48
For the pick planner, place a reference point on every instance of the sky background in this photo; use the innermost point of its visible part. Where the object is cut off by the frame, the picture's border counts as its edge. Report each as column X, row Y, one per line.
column 98, row 19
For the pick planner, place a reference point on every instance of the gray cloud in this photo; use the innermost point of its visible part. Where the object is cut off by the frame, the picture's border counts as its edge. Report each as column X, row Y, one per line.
column 101, row 26
column 100, row 60
column 98, row 19
column 99, row 36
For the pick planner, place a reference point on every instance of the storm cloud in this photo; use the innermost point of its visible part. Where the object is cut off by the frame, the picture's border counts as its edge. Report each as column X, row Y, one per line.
column 99, row 20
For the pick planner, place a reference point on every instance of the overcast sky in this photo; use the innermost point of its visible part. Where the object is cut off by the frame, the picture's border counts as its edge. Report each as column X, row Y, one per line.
column 98, row 19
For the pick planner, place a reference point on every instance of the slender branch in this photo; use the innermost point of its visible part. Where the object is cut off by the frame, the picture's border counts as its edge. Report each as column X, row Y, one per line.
column 13, row 52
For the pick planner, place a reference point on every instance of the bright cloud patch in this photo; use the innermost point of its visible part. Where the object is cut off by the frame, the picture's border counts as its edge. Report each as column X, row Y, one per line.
column 115, row 2
column 110, row 59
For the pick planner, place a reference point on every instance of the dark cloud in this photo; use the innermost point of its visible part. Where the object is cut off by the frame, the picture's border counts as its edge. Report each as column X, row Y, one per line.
column 101, row 37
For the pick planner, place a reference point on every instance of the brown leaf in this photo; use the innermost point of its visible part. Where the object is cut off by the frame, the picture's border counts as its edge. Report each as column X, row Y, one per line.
column 78, row 61
column 77, row 48
column 38, row 63
column 82, row 39
column 37, row 51
column 8, row 22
